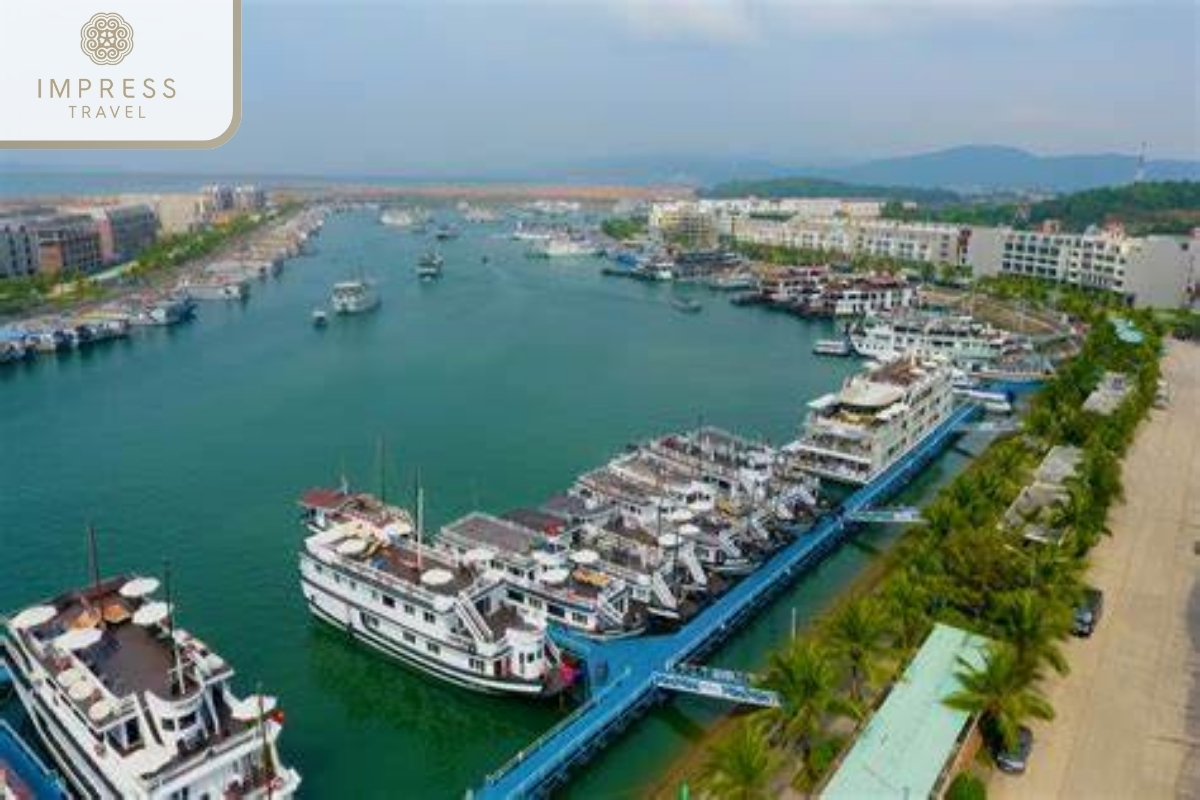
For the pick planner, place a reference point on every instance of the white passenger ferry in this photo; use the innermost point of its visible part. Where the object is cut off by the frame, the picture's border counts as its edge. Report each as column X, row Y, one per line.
column 878, row 416
column 366, row 571
column 130, row 706
column 962, row 339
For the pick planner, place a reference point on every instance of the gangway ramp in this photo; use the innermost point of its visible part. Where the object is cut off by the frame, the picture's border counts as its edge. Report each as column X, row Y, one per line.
column 719, row 684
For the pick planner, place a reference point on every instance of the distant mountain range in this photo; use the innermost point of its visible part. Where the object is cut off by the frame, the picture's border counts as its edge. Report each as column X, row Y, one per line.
column 992, row 168
column 971, row 169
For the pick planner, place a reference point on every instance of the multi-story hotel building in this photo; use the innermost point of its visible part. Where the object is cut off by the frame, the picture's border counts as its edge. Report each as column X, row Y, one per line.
column 18, row 248
column 909, row 241
column 1148, row 271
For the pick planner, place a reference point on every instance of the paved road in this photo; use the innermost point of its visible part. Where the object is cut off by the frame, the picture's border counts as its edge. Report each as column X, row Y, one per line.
column 1128, row 715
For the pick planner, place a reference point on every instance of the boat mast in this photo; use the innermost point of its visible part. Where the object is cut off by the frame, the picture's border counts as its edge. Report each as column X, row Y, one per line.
column 176, row 666
column 93, row 558
column 382, row 472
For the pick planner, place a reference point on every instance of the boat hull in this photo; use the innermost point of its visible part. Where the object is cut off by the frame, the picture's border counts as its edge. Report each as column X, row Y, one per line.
column 410, row 658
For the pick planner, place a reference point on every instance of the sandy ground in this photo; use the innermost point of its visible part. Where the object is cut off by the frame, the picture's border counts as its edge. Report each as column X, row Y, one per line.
column 1128, row 715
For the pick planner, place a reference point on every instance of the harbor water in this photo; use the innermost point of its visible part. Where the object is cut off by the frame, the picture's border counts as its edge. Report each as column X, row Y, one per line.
column 499, row 383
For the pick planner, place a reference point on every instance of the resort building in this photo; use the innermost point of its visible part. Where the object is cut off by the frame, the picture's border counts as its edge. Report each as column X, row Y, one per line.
column 249, row 198
column 18, row 248
column 67, row 243
column 878, row 416
column 125, row 230
column 915, row 744
column 908, row 241
column 685, row 224
column 177, row 213
column 1155, row 271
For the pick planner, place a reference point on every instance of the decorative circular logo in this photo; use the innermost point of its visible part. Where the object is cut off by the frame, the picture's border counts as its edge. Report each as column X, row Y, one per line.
column 106, row 38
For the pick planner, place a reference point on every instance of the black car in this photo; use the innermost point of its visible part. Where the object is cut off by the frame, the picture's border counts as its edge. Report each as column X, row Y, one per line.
column 1015, row 760
column 1087, row 613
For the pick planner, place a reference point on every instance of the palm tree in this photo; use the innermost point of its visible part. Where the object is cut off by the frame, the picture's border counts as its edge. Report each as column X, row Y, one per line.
column 1002, row 692
column 907, row 602
column 1033, row 625
column 741, row 765
column 804, row 677
column 856, row 634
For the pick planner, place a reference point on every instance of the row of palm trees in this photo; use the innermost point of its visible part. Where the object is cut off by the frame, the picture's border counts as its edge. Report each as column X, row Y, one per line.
column 963, row 568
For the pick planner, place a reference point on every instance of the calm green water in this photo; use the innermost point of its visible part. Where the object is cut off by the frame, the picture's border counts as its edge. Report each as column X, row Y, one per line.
column 500, row 383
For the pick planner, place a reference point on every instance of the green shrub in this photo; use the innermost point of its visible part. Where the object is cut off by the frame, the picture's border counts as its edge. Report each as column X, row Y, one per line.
column 966, row 786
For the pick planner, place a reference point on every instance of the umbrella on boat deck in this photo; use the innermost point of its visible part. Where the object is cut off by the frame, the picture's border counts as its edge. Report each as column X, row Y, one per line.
column 78, row 639
column 70, row 676
column 139, row 587
column 81, row 690
column 151, row 614
column 33, row 617
column 100, row 710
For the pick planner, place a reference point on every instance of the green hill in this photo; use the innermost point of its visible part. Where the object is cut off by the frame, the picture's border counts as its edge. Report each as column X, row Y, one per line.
column 821, row 187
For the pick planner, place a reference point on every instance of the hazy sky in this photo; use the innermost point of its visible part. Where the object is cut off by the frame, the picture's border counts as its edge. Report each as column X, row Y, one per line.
column 435, row 87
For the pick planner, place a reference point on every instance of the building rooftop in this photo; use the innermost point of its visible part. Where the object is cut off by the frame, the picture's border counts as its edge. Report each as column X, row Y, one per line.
column 903, row 750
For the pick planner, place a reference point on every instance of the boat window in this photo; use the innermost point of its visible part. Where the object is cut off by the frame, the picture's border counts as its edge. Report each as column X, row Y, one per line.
column 408, row 637
column 427, row 616
column 390, row 602
column 433, row 648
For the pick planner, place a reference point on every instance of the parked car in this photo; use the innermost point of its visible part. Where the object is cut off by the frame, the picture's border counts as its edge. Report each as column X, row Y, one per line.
column 1015, row 760
column 1088, row 612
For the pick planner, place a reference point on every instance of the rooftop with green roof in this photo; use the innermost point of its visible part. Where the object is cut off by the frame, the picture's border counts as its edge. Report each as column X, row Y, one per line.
column 903, row 750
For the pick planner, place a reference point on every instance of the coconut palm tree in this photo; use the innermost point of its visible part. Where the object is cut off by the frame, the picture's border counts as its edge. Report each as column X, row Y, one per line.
column 804, row 677
column 1033, row 625
column 741, row 765
column 856, row 635
column 1002, row 692
column 906, row 602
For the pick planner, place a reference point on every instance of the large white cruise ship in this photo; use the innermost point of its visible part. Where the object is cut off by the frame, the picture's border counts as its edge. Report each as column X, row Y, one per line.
column 365, row 570
column 130, row 706
column 877, row 417
column 961, row 339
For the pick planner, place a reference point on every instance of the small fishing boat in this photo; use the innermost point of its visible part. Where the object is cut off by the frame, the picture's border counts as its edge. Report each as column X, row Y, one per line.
column 353, row 297
column 319, row 318
column 686, row 305
column 429, row 266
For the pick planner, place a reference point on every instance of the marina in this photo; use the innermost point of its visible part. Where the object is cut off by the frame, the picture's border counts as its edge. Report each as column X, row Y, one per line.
column 239, row 503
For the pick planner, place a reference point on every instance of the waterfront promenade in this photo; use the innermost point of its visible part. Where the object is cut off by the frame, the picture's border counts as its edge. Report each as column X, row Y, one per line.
column 624, row 674
column 1128, row 714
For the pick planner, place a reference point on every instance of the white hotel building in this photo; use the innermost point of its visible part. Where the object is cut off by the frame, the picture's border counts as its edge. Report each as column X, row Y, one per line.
column 1156, row 271
column 910, row 241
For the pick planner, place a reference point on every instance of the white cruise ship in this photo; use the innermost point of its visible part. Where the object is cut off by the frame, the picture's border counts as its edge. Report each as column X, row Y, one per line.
column 366, row 571
column 962, row 339
column 877, row 417
column 130, row 706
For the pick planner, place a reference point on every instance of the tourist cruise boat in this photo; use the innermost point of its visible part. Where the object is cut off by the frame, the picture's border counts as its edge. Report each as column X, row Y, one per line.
column 366, row 571
column 877, row 417
column 558, row 246
column 353, row 297
column 962, row 339
column 130, row 706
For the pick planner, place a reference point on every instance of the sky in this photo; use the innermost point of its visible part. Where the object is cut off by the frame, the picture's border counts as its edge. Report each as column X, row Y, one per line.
column 444, row 88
